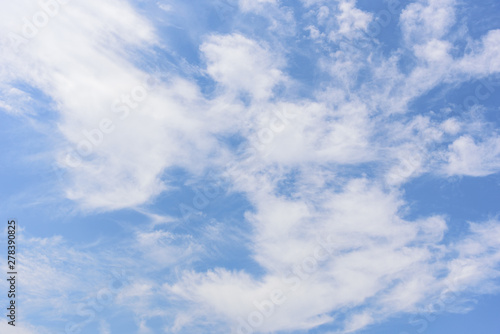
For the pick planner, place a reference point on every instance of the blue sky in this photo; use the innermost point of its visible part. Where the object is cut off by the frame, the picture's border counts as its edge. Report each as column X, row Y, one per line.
column 252, row 166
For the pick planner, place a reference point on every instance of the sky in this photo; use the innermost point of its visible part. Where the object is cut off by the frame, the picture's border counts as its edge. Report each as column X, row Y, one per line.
column 251, row 166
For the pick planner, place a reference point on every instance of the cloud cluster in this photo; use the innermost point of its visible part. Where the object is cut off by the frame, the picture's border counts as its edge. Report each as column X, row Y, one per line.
column 351, row 256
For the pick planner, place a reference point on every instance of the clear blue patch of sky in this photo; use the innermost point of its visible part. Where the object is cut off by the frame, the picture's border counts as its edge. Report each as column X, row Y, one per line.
column 460, row 199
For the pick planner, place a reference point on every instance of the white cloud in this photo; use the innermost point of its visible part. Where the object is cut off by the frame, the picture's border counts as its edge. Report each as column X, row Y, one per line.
column 466, row 157
column 92, row 80
column 434, row 51
column 424, row 20
column 383, row 264
column 484, row 58
column 304, row 132
column 314, row 32
column 358, row 321
column 323, row 14
column 451, row 126
column 350, row 20
column 87, row 82
column 341, row 20
column 378, row 261
column 254, row 5
column 242, row 65
column 476, row 267
column 15, row 100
